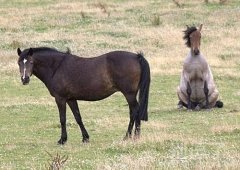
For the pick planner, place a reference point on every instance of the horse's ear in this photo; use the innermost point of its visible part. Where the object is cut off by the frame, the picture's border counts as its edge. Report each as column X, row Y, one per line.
column 19, row 51
column 200, row 27
column 30, row 52
column 187, row 26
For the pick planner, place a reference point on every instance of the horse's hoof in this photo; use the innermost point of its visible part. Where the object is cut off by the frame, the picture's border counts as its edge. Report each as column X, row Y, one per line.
column 197, row 108
column 208, row 109
column 136, row 137
column 219, row 104
column 128, row 136
column 137, row 134
column 179, row 106
column 85, row 140
column 62, row 141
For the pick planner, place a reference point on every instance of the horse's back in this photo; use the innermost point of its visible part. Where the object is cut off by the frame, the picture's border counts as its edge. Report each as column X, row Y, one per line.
column 98, row 77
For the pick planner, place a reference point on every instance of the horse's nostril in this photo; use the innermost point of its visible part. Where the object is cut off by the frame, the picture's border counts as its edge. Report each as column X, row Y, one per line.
column 196, row 51
column 25, row 80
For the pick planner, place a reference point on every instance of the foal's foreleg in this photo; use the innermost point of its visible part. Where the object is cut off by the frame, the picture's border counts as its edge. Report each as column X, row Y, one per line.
column 74, row 107
column 189, row 92
column 61, row 103
column 206, row 91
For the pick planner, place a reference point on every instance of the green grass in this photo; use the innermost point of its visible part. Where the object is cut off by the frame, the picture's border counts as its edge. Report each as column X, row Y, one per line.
column 171, row 139
column 30, row 129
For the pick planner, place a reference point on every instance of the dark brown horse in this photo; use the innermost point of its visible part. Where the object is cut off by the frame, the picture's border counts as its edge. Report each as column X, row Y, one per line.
column 70, row 78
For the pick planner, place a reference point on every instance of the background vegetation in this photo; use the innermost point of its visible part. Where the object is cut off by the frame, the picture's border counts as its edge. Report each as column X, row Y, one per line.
column 171, row 139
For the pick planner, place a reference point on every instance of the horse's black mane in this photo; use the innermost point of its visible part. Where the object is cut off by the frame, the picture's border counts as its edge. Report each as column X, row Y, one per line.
column 50, row 50
column 45, row 49
column 187, row 33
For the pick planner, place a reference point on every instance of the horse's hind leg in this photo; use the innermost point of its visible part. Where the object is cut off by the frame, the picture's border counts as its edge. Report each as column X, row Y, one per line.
column 213, row 98
column 206, row 91
column 182, row 99
column 133, row 110
column 74, row 107
column 189, row 92
column 61, row 103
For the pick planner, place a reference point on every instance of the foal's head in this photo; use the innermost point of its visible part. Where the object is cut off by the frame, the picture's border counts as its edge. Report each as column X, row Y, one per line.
column 192, row 35
column 25, row 62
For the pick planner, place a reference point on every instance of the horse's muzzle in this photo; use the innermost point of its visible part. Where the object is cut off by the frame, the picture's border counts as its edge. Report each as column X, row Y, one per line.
column 196, row 51
column 25, row 80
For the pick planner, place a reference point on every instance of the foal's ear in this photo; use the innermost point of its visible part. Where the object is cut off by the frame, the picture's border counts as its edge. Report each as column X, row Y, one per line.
column 19, row 51
column 200, row 27
column 30, row 52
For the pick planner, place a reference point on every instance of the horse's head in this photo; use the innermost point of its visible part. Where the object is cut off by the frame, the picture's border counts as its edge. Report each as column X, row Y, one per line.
column 192, row 35
column 25, row 63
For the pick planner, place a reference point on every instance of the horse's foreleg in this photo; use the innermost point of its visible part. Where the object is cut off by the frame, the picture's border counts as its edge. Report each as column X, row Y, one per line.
column 189, row 92
column 61, row 103
column 206, row 90
column 74, row 107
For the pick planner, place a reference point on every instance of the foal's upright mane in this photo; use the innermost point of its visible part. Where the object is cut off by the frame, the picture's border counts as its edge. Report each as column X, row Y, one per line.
column 187, row 33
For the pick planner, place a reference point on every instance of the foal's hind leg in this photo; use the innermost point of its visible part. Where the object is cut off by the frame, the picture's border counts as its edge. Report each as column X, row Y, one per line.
column 134, row 108
column 74, row 107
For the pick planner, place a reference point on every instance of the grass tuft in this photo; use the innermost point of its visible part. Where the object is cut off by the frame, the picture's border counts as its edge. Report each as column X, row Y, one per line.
column 156, row 21
column 57, row 162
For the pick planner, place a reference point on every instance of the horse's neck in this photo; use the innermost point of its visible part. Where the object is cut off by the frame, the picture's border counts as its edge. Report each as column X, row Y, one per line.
column 193, row 59
column 45, row 67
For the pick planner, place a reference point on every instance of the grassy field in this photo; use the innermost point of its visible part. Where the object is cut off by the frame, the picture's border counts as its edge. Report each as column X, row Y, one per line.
column 171, row 139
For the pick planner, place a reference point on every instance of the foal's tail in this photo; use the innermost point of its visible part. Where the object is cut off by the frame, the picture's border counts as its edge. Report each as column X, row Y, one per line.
column 143, row 87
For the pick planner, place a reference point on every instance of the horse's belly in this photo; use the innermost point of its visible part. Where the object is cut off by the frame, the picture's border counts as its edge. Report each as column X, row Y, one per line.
column 197, row 94
column 95, row 96
column 91, row 94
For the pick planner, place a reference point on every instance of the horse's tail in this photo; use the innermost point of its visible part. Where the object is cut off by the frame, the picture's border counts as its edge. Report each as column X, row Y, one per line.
column 143, row 87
